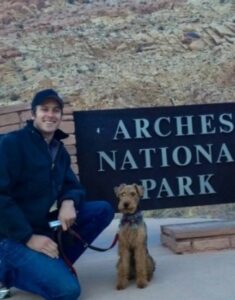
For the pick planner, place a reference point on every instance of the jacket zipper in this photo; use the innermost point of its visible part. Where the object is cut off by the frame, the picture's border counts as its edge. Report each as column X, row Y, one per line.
column 55, row 157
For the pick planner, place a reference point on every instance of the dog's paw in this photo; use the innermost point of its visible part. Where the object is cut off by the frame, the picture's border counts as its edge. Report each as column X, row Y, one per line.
column 121, row 285
column 141, row 283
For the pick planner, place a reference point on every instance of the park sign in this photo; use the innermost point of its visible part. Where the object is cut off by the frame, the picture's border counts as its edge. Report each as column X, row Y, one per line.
column 183, row 156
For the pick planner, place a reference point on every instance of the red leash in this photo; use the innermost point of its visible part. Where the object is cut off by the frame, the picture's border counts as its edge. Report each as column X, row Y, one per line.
column 85, row 244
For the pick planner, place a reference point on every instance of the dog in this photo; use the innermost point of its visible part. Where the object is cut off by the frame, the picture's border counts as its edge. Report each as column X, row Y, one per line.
column 134, row 260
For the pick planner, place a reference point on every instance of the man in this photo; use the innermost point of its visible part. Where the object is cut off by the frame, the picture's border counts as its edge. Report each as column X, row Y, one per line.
column 34, row 174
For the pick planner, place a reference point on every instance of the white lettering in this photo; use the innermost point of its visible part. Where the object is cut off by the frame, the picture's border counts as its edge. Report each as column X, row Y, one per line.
column 164, row 157
column 157, row 127
column 121, row 130
column 141, row 126
column 184, row 183
column 110, row 161
column 228, row 124
column 149, row 185
column 224, row 153
column 206, row 126
column 205, row 186
column 165, row 188
column 182, row 186
column 207, row 154
column 129, row 160
column 185, row 156
column 147, row 157
column 180, row 125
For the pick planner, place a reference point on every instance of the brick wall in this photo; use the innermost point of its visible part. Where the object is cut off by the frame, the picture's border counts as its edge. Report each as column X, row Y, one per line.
column 14, row 117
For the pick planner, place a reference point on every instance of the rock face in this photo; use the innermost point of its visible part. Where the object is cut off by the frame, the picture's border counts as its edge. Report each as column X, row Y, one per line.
column 118, row 53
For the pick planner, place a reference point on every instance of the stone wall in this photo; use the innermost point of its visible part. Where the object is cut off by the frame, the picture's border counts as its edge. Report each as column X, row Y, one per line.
column 15, row 116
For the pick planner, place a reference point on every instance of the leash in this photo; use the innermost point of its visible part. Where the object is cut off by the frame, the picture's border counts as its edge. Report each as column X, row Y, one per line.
column 61, row 250
column 85, row 245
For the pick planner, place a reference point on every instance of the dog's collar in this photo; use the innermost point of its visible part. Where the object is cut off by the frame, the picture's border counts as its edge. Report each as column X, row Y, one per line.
column 132, row 219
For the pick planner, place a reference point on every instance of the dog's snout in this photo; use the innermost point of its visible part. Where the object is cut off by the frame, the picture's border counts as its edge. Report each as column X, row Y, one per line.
column 125, row 204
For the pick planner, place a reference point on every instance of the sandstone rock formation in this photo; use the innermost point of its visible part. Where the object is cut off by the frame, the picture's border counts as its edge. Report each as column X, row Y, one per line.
column 118, row 53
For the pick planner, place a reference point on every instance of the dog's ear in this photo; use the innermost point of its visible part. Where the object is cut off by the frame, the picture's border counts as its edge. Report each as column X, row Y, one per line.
column 117, row 189
column 140, row 190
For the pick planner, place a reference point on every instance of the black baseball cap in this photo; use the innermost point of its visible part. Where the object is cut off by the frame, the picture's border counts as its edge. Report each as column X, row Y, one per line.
column 43, row 95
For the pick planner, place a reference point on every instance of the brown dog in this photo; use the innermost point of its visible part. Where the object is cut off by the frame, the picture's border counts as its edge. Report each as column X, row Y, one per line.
column 134, row 259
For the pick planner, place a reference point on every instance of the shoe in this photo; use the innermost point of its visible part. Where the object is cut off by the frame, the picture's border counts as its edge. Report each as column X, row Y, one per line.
column 4, row 291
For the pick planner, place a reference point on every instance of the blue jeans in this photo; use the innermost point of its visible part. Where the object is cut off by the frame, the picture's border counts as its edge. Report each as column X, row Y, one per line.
column 50, row 278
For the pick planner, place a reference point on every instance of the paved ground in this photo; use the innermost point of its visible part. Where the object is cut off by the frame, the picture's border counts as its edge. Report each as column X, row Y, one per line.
column 200, row 276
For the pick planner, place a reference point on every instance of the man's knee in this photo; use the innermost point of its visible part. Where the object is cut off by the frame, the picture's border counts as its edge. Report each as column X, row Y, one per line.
column 108, row 212
column 68, row 292
column 73, row 293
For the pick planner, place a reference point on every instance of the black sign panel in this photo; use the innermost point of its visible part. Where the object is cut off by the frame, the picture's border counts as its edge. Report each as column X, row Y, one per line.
column 183, row 156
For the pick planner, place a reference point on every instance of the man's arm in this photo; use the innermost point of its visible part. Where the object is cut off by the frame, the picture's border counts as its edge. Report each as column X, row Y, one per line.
column 67, row 214
column 13, row 223
column 71, row 195
column 71, row 189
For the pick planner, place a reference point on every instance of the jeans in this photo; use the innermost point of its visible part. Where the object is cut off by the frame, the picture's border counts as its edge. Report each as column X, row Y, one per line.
column 50, row 278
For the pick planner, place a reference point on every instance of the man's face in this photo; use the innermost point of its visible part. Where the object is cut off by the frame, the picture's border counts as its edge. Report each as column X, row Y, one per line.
column 47, row 117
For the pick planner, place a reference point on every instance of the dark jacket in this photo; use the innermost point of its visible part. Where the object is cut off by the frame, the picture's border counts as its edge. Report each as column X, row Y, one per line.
column 30, row 182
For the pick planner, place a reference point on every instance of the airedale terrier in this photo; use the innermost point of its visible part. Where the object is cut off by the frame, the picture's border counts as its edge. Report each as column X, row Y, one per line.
column 134, row 260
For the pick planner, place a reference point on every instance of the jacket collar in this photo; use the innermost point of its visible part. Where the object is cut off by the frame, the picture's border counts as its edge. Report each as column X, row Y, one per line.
column 59, row 134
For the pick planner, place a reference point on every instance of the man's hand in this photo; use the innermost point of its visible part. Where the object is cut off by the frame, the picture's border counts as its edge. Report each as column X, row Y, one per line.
column 67, row 214
column 43, row 244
